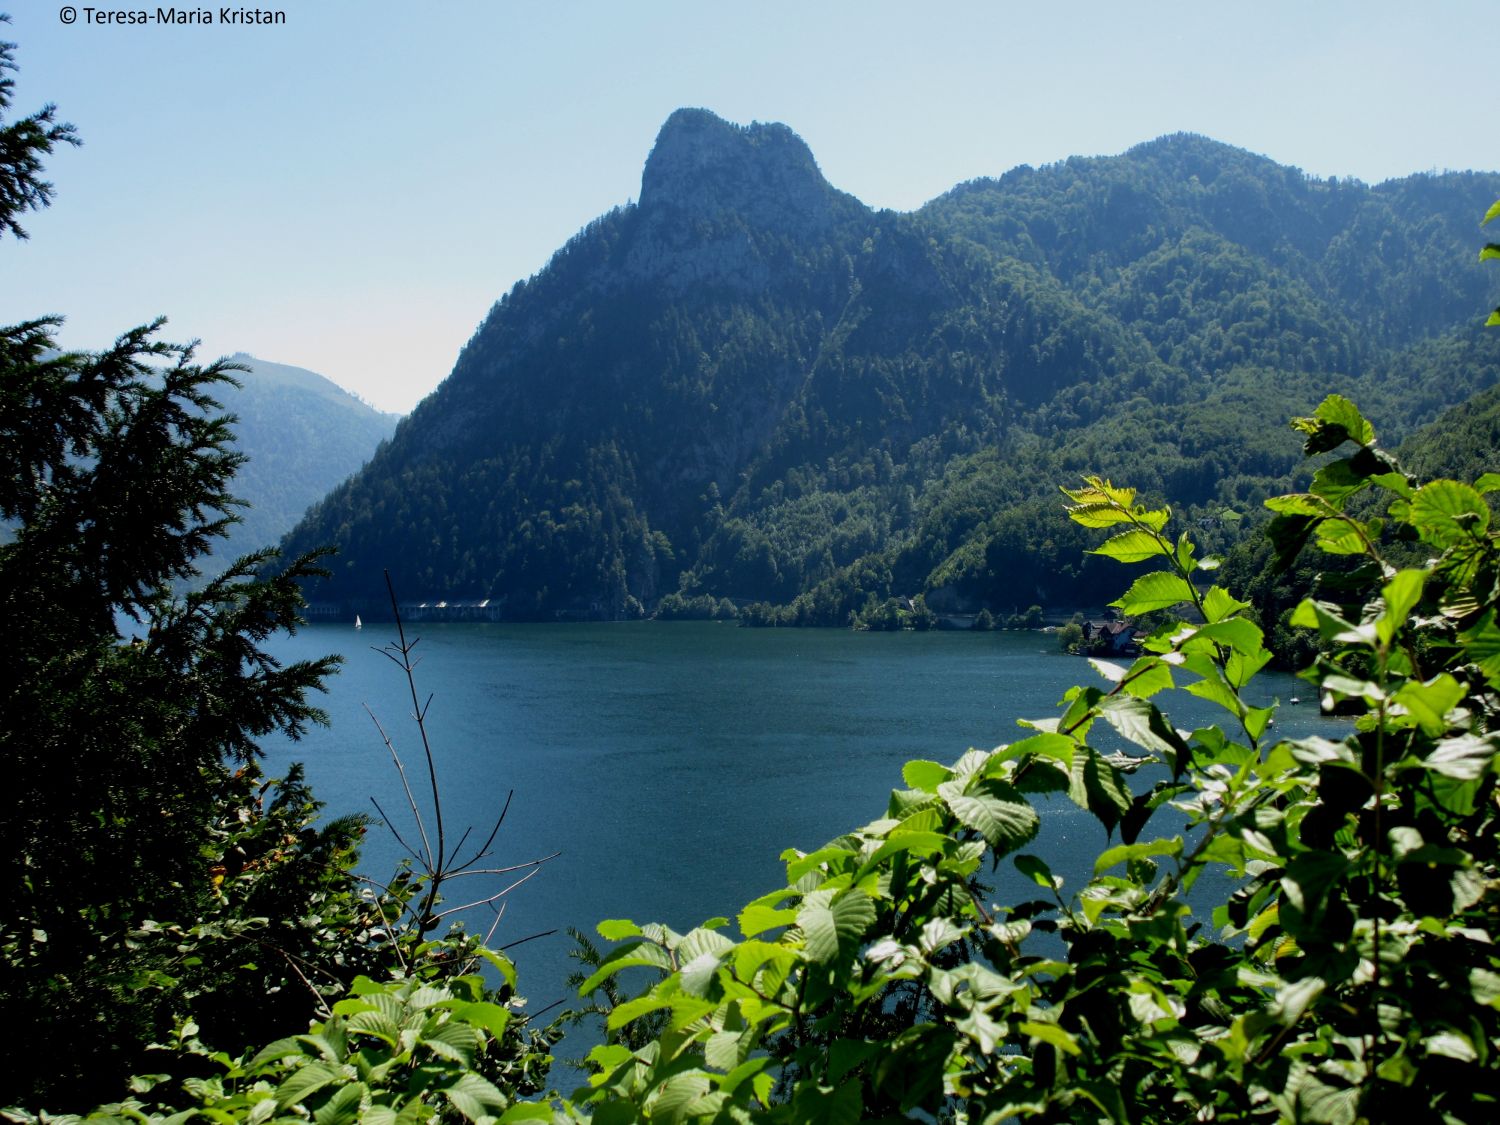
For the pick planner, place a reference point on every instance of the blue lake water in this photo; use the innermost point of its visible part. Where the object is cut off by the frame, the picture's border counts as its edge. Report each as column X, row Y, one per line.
column 671, row 763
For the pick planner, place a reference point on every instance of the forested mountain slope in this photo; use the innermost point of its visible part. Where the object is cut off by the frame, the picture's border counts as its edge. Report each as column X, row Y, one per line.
column 750, row 385
column 301, row 435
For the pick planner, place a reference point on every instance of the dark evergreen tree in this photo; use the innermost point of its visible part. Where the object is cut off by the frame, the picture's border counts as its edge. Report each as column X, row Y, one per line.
column 128, row 718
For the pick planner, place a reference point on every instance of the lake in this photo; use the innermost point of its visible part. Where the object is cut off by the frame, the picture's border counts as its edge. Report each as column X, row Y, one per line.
column 671, row 763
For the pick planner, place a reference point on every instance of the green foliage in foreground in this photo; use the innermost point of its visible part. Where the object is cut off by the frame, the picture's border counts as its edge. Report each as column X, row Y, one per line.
column 1354, row 976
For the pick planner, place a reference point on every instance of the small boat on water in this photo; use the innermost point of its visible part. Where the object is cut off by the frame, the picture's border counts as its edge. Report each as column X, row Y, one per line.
column 358, row 624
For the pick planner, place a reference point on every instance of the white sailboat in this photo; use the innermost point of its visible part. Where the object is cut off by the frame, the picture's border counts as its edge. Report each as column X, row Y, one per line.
column 358, row 624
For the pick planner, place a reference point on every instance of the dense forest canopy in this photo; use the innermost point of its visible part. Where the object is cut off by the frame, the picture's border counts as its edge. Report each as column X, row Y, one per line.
column 748, row 386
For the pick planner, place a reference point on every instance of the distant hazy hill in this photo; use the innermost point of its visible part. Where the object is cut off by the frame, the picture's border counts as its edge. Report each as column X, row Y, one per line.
column 302, row 434
column 750, row 385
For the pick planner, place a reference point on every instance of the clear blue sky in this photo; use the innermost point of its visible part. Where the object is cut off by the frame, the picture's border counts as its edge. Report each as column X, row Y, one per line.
column 350, row 191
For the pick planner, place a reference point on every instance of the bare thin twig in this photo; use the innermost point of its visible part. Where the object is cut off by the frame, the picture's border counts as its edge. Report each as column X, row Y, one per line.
column 386, row 820
column 426, row 857
column 489, row 898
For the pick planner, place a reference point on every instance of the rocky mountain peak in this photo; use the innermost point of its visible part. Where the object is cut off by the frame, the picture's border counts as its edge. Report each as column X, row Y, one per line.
column 703, row 166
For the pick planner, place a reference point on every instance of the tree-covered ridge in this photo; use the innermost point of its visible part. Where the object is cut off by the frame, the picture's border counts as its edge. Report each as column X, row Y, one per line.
column 300, row 435
column 750, row 386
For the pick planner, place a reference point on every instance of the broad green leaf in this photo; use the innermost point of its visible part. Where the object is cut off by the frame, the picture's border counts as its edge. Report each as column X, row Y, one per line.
column 622, row 1014
column 1051, row 1033
column 1485, row 985
column 1158, row 590
column 925, row 775
column 1148, row 676
column 996, row 810
column 607, row 1056
column 1341, row 536
column 1294, row 998
column 972, row 762
column 921, row 842
column 702, row 940
column 1256, row 720
column 1452, row 1044
column 813, row 860
column 1335, row 421
column 1330, row 626
column 372, row 1021
column 1097, row 786
column 1142, row 723
column 1098, row 490
column 722, row 1051
column 1337, row 481
column 747, row 1069
column 698, row 973
column 1131, row 547
column 500, row 962
column 483, row 1014
column 618, row 929
column 1241, row 667
column 1447, row 512
column 1111, row 671
column 837, row 927
column 304, row 1081
column 750, row 956
column 1491, row 250
column 1096, row 515
column 526, row 1111
column 475, row 1097
column 1395, row 482
column 1488, row 482
column 1429, row 703
column 1296, row 504
column 1218, row 604
column 1482, row 646
column 846, row 1054
column 453, row 1040
column 1037, row 871
column 756, row 919
column 281, row 1049
column 1492, row 213
column 1216, row 689
column 1048, row 744
column 343, row 1107
column 1186, row 563
column 1123, row 853
column 1401, row 594
column 1467, row 757
column 1237, row 633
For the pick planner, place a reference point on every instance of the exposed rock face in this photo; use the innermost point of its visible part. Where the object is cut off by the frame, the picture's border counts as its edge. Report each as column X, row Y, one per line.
column 702, row 167
column 713, row 192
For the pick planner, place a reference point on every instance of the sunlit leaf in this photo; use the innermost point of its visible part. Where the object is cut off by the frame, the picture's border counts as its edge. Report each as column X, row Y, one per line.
column 835, row 928
column 1131, row 547
column 1158, row 590
column 1447, row 512
column 996, row 810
